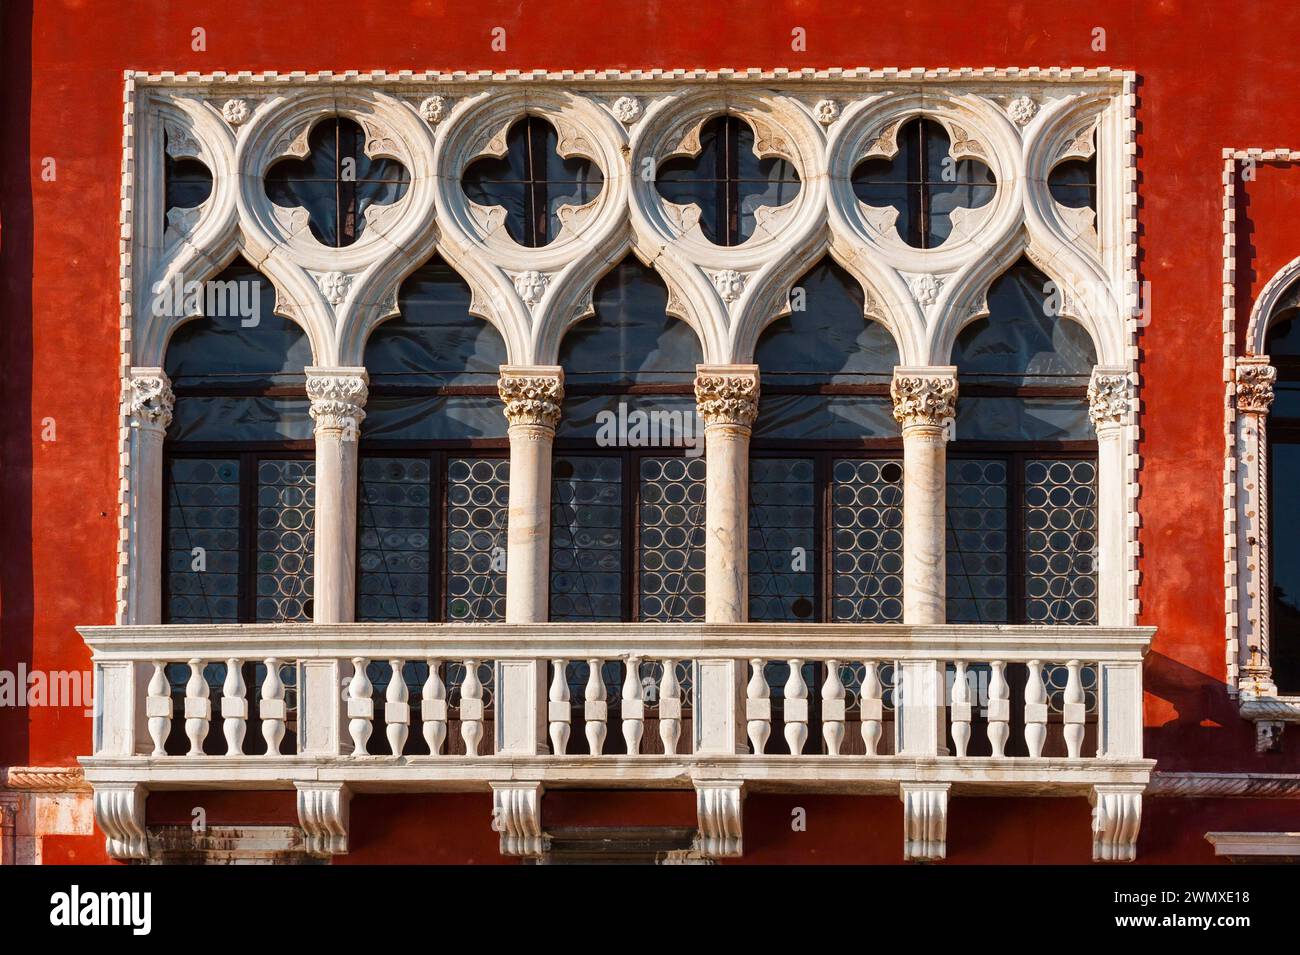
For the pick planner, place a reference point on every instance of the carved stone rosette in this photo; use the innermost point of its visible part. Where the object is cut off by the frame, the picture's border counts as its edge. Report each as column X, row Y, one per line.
column 727, row 396
column 924, row 399
column 338, row 399
column 1255, row 378
column 150, row 400
column 1108, row 399
column 533, row 396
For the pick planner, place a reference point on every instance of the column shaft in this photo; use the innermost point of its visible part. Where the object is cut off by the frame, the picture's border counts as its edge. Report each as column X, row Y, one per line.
column 150, row 402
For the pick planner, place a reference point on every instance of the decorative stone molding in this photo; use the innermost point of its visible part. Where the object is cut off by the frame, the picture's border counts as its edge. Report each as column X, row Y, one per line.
column 323, row 813
column 1220, row 785
column 533, row 395
column 730, row 284
column 1255, row 379
column 627, row 110
column 925, row 289
column 334, row 286
column 1253, row 846
column 924, row 397
column 925, row 821
column 1022, row 110
column 433, row 109
column 1116, row 819
column 727, row 394
column 119, row 812
column 43, row 779
column 531, row 286
column 235, row 111
column 826, row 111
column 150, row 400
column 1108, row 398
column 719, row 808
column 517, row 815
column 338, row 399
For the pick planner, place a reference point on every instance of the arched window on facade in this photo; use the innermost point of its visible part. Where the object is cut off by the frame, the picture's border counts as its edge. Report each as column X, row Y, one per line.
column 1283, row 470
column 1022, row 468
column 239, row 478
column 433, row 482
column 627, row 521
column 825, row 478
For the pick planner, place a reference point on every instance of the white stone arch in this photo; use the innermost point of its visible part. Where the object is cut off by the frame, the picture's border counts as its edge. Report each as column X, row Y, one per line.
column 1267, row 304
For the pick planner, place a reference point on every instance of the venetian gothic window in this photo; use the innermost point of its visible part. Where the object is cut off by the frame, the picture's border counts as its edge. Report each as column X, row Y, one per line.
column 627, row 534
column 1283, row 477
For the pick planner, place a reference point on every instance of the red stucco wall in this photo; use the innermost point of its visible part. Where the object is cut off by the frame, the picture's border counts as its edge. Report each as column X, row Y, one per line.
column 1212, row 75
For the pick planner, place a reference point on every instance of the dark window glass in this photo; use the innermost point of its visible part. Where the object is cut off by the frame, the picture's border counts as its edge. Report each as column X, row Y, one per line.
column 187, row 183
column 924, row 183
column 395, row 512
column 671, row 545
column 782, row 539
column 867, row 540
column 1283, row 348
column 286, row 508
column 337, row 183
column 587, row 538
column 728, row 181
column 1073, row 183
column 203, row 514
column 533, row 182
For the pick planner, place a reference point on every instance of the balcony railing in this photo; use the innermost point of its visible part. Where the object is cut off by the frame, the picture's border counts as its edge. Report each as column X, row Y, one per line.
column 333, row 709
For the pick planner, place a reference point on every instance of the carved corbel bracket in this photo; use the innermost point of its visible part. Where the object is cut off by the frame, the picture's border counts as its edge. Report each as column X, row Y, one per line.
column 324, row 814
column 517, row 815
column 1116, row 819
column 119, row 812
column 719, row 806
column 925, row 821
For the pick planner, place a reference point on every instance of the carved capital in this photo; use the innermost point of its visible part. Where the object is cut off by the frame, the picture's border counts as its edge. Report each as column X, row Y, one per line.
column 1108, row 397
column 1255, row 378
column 719, row 810
column 925, row 821
column 533, row 395
column 1116, row 818
column 924, row 396
column 727, row 394
column 338, row 399
column 323, row 813
column 150, row 399
column 119, row 812
column 517, row 815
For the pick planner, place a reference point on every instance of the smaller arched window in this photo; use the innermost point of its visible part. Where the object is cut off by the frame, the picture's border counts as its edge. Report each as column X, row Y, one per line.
column 337, row 183
column 1283, row 347
column 627, row 517
column 728, row 181
column 1022, row 471
column 924, row 182
column 434, row 473
column 533, row 182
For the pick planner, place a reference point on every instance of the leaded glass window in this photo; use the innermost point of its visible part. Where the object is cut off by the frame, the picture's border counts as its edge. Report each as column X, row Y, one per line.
column 1283, row 344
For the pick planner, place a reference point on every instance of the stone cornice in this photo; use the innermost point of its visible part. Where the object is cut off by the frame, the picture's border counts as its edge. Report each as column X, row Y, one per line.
column 1255, row 378
column 727, row 394
column 533, row 395
column 338, row 398
column 924, row 397
column 43, row 779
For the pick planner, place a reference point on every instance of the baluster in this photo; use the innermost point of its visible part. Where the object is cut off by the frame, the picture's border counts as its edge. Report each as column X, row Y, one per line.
column 833, row 694
column 234, row 707
column 796, row 708
column 198, row 708
column 1035, row 710
column 871, row 707
column 273, row 708
column 471, row 708
column 397, row 711
column 999, row 709
column 670, row 708
column 758, row 707
column 433, row 708
column 595, row 710
column 960, row 709
column 1075, row 711
column 158, row 707
column 361, row 708
column 633, row 706
column 559, row 709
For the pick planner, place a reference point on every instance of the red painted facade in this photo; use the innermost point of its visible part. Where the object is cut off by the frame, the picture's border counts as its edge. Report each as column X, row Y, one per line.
column 1211, row 75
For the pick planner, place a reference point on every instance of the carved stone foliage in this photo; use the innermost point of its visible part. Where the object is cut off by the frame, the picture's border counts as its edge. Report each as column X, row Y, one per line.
column 727, row 397
column 531, row 399
column 150, row 400
column 923, row 399
column 338, row 400
column 1108, row 399
column 1255, row 379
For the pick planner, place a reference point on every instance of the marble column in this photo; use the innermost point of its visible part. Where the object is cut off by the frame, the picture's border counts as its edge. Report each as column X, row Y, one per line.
column 1255, row 378
column 925, row 399
column 533, row 396
column 149, row 412
column 1108, row 407
column 726, row 397
column 338, row 398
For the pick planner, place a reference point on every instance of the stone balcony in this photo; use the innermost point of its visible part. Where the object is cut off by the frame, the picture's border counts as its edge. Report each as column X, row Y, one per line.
column 920, row 712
